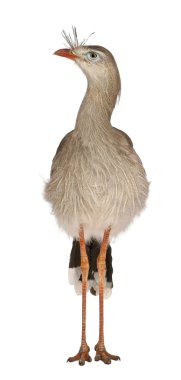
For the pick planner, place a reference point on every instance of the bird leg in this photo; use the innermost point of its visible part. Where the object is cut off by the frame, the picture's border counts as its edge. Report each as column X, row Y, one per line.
column 83, row 354
column 101, row 353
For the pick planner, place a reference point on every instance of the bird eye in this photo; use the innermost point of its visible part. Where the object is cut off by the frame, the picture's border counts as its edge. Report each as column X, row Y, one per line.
column 93, row 56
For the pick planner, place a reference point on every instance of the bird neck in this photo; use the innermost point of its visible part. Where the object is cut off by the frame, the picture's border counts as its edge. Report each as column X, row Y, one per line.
column 96, row 109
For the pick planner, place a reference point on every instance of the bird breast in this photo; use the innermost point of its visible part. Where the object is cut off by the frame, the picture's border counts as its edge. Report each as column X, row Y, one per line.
column 98, row 184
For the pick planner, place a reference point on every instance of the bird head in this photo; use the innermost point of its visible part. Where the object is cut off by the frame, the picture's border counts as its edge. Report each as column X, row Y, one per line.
column 97, row 63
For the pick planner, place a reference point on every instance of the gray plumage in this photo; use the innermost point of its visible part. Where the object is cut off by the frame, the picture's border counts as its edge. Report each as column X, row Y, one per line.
column 97, row 179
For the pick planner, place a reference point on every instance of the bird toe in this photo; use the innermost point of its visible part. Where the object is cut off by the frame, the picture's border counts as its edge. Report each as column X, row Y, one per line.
column 105, row 356
column 81, row 357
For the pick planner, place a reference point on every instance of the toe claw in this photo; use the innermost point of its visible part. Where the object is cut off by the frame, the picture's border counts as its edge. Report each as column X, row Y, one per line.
column 81, row 362
column 97, row 358
column 107, row 361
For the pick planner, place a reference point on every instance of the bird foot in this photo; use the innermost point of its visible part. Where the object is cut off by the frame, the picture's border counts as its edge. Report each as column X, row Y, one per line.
column 82, row 356
column 102, row 354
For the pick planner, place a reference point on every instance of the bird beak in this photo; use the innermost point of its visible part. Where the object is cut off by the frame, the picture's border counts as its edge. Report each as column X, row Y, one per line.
column 67, row 53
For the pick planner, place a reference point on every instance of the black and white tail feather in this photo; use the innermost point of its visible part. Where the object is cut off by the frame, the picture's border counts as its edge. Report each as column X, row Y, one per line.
column 75, row 276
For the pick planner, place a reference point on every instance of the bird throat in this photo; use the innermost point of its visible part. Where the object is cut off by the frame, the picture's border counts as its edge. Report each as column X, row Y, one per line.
column 95, row 111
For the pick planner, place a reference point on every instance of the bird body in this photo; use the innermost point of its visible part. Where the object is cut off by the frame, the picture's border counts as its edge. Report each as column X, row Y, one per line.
column 97, row 179
column 97, row 183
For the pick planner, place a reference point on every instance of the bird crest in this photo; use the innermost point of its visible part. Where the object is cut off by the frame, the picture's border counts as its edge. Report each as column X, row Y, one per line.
column 72, row 40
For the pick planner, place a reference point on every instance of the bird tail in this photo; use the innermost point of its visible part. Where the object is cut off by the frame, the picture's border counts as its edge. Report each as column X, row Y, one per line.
column 75, row 275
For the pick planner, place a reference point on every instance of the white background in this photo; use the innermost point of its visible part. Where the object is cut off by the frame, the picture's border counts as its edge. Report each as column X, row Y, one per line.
column 40, row 95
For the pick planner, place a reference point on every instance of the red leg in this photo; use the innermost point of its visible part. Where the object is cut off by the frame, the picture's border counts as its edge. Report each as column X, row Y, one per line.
column 83, row 354
column 101, row 353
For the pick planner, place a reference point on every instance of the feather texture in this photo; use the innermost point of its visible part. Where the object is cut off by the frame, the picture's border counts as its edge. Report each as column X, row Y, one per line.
column 96, row 184
column 72, row 41
column 97, row 178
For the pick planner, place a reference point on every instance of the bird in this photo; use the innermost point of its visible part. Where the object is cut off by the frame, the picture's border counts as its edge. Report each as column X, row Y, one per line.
column 97, row 184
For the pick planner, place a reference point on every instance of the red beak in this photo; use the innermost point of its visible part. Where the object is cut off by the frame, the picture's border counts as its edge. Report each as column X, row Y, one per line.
column 67, row 53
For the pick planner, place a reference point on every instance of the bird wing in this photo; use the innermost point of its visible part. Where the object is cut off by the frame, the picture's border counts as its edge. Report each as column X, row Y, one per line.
column 125, row 136
column 60, row 147
column 125, row 142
